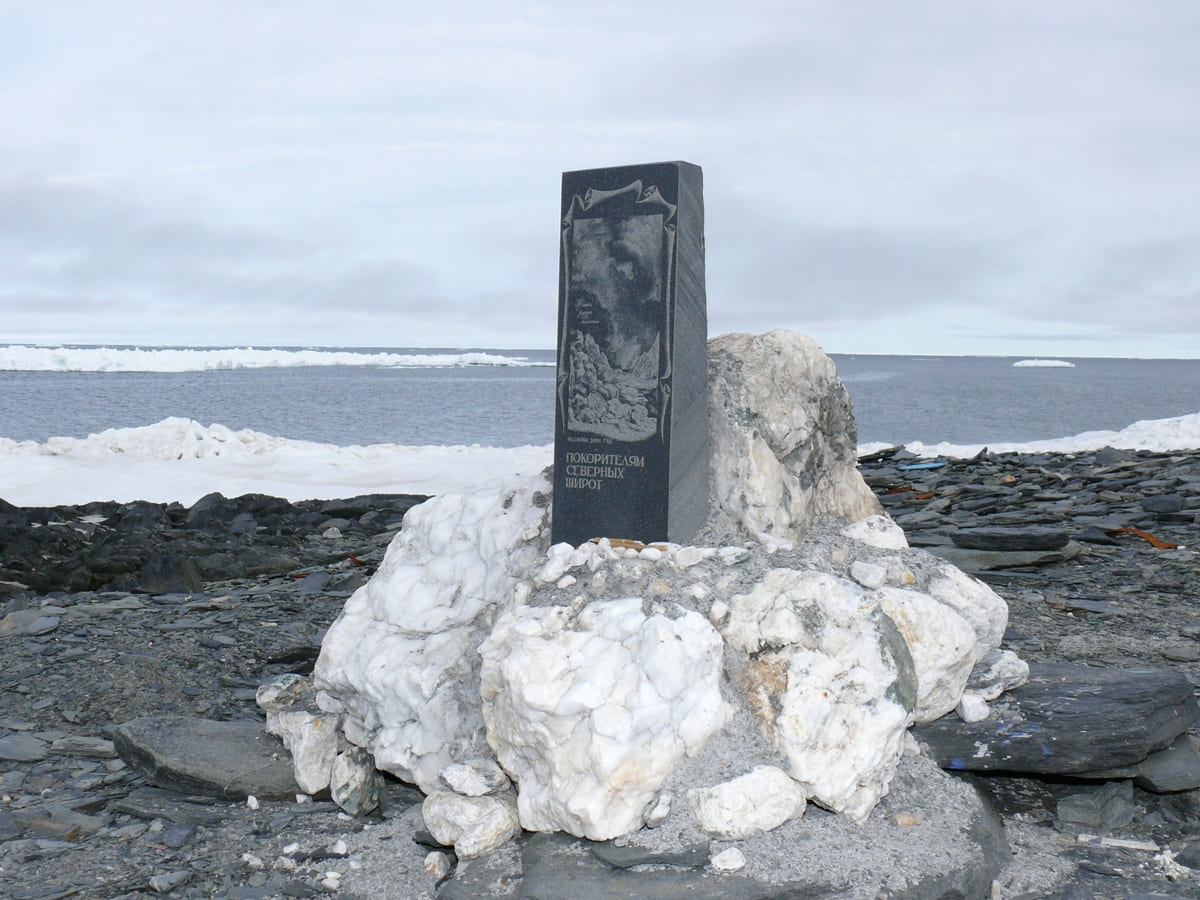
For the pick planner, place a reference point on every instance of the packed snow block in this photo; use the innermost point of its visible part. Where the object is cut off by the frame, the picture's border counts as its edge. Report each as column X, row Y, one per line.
column 631, row 450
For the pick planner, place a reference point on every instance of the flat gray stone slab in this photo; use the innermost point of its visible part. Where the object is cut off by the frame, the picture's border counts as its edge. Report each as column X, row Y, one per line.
column 229, row 760
column 992, row 560
column 23, row 748
column 1010, row 538
column 1069, row 720
column 1175, row 769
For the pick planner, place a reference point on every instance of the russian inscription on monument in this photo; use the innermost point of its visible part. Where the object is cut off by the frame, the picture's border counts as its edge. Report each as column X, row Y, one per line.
column 631, row 412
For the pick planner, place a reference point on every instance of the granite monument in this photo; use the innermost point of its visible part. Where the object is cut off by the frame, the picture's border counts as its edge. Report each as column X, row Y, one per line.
column 631, row 415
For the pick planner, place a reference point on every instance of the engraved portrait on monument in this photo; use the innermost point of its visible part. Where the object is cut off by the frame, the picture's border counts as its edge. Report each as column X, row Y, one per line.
column 616, row 312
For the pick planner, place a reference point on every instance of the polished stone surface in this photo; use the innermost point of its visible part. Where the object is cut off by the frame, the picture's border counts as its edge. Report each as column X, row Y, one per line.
column 631, row 418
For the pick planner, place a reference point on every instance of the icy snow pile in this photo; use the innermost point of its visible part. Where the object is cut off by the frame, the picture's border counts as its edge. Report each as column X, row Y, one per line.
column 620, row 687
column 26, row 358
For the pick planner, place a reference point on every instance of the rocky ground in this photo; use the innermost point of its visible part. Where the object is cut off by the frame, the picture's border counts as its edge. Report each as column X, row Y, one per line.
column 113, row 612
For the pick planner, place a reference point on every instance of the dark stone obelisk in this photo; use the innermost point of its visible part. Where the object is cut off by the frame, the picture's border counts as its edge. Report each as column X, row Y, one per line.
column 631, row 411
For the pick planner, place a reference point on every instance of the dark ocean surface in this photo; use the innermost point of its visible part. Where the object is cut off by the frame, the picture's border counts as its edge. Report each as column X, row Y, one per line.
column 897, row 399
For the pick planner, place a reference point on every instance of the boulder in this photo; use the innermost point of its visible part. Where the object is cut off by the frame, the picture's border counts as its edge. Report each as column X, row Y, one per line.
column 1069, row 720
column 229, row 760
column 589, row 710
column 784, row 442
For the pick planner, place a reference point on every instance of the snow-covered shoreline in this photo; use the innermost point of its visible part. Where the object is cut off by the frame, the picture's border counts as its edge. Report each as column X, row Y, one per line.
column 32, row 358
column 181, row 460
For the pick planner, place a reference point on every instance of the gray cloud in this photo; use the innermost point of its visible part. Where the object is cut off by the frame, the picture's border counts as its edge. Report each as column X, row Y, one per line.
column 971, row 173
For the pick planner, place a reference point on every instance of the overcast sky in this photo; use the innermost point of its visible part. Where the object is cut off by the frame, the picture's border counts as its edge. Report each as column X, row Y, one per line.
column 1014, row 178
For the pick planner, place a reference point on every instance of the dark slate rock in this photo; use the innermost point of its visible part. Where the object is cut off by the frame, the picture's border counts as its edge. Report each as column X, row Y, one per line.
column 1176, row 768
column 1163, row 503
column 53, row 821
column 229, row 760
column 23, row 748
column 177, row 835
column 1189, row 856
column 28, row 622
column 1097, row 810
column 630, row 855
column 495, row 874
column 988, row 560
column 220, row 567
column 211, row 510
column 314, row 582
column 1004, row 539
column 1094, row 535
column 169, row 573
column 265, row 561
column 9, row 830
column 1067, row 720
column 243, row 523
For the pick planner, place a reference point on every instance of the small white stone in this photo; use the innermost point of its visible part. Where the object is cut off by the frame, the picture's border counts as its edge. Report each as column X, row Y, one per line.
column 899, row 574
column 699, row 591
column 284, row 692
column 332, row 532
column 301, row 799
column 878, row 531
column 718, row 613
column 999, row 671
column 762, row 799
column 475, row 778
column 472, row 825
column 772, row 543
column 731, row 556
column 565, row 582
column 254, row 862
column 332, row 881
column 286, row 864
column 868, row 574
column 942, row 644
column 555, row 567
column 314, row 748
column 437, row 864
column 658, row 811
column 354, row 783
column 686, row 557
column 339, row 848
column 730, row 860
column 972, row 707
column 653, row 554
column 293, row 847
column 252, row 802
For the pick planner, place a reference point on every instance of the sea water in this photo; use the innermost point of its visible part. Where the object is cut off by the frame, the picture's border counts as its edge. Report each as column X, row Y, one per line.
column 505, row 398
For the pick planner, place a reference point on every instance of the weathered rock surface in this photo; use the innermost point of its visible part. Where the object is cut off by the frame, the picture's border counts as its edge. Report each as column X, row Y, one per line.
column 230, row 760
column 159, row 548
column 589, row 710
column 1069, row 719
column 784, row 443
